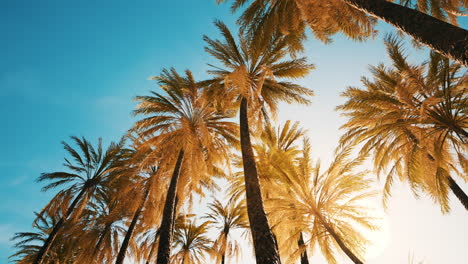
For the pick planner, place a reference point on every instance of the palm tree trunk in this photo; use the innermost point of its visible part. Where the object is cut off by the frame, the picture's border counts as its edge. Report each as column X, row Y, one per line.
column 301, row 244
column 131, row 228
column 223, row 258
column 266, row 250
column 153, row 247
column 459, row 193
column 43, row 252
column 98, row 245
column 167, row 223
column 342, row 245
column 445, row 38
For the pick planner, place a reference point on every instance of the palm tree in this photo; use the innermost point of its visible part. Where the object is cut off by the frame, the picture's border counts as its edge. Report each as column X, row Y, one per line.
column 90, row 170
column 148, row 243
column 246, row 77
column 354, row 19
column 226, row 219
column 184, row 123
column 277, row 155
column 30, row 243
column 146, row 184
column 191, row 243
column 99, row 229
column 325, row 207
column 422, row 122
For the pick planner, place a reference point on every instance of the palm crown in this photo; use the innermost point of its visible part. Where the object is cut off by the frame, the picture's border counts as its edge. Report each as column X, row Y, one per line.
column 91, row 170
column 226, row 219
column 422, row 121
column 250, row 69
column 191, row 243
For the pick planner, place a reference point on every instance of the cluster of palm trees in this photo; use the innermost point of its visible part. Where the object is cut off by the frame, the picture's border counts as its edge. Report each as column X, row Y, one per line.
column 134, row 198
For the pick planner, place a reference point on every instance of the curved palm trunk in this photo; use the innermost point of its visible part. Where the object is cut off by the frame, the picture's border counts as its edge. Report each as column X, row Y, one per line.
column 167, row 223
column 340, row 243
column 301, row 244
column 131, row 228
column 43, row 252
column 266, row 249
column 459, row 193
column 445, row 38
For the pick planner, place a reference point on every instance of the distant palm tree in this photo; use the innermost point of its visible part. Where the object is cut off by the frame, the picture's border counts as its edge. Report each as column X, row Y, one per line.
column 98, row 231
column 326, row 207
column 354, row 19
column 246, row 80
column 90, row 171
column 136, row 206
column 421, row 133
column 184, row 124
column 29, row 243
column 226, row 219
column 191, row 243
column 149, row 240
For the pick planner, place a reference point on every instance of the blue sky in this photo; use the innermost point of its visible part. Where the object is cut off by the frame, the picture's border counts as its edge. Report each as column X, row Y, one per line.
column 72, row 68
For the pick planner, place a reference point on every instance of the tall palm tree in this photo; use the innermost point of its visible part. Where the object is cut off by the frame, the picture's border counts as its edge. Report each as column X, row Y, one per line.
column 246, row 80
column 226, row 219
column 191, row 243
column 354, row 19
column 89, row 172
column 183, row 123
column 422, row 130
column 29, row 243
column 326, row 207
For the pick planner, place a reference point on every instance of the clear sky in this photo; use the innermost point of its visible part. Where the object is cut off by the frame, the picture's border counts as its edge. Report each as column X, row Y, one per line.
column 72, row 68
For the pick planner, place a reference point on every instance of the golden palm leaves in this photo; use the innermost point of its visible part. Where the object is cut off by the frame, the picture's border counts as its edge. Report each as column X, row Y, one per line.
column 191, row 243
column 185, row 119
column 322, row 207
column 225, row 219
column 412, row 118
column 325, row 207
column 252, row 68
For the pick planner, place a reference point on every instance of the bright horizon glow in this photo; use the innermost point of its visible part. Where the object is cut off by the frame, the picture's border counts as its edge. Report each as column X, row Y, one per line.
column 72, row 68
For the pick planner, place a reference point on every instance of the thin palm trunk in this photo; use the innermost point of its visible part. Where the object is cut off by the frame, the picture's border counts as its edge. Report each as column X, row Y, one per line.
column 301, row 244
column 43, row 252
column 266, row 250
column 167, row 223
column 341, row 244
column 153, row 247
column 226, row 233
column 459, row 193
column 445, row 38
column 131, row 228
column 101, row 239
